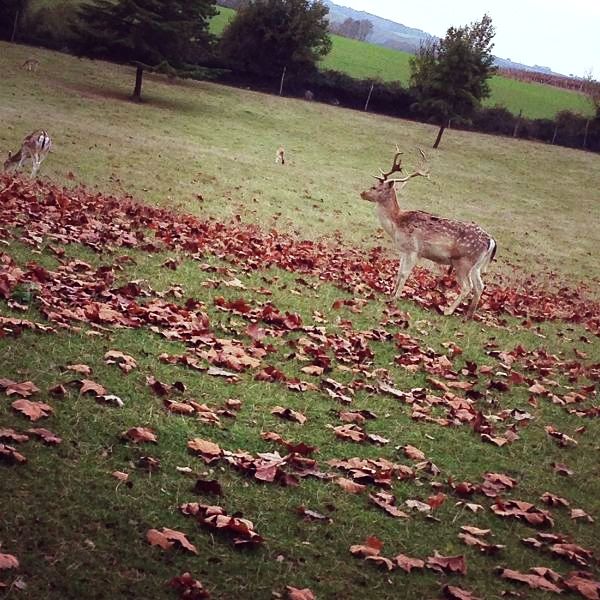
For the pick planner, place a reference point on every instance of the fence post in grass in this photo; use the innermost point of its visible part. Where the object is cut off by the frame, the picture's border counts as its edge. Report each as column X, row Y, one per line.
column 282, row 78
column 369, row 96
column 517, row 123
column 585, row 134
column 555, row 132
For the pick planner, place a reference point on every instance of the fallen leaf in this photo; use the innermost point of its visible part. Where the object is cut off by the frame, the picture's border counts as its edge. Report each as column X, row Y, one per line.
column 24, row 389
column 531, row 579
column 79, row 368
column 120, row 475
column 299, row 594
column 289, row 414
column 413, row 453
column 455, row 593
column 89, row 386
column 10, row 455
column 139, row 435
column 447, row 564
column 188, row 587
column 371, row 547
column 350, row 486
column 407, row 563
column 32, row 410
column 45, row 435
column 8, row 561
column 168, row 537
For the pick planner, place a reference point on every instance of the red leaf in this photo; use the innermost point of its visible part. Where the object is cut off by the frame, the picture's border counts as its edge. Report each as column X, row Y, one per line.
column 371, row 547
column 408, row 563
column 299, row 594
column 89, row 386
column 447, row 564
column 45, row 435
column 532, row 580
column 8, row 561
column 24, row 389
column 139, row 435
column 32, row 410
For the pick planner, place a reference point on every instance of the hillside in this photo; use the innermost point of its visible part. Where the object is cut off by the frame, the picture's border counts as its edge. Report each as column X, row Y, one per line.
column 207, row 392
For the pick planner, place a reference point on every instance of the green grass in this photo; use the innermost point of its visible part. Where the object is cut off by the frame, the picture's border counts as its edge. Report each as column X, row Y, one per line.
column 81, row 534
column 192, row 139
column 209, row 150
column 368, row 61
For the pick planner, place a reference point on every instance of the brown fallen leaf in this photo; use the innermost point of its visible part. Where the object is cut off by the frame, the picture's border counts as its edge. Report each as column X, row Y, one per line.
column 299, row 594
column 32, row 410
column 207, row 450
column 579, row 513
column 139, row 435
column 125, row 362
column 387, row 502
column 188, row 587
column 475, row 530
column 120, row 475
column 483, row 546
column 8, row 561
column 371, row 547
column 552, row 500
column 455, row 593
column 436, row 500
column 10, row 455
column 91, row 387
column 350, row 486
column 584, row 584
column 562, row 469
column 447, row 564
column 531, row 579
column 407, row 563
column 24, row 389
column 413, row 453
column 289, row 414
column 312, row 515
column 10, row 435
column 79, row 368
column 45, row 435
column 168, row 537
column 381, row 561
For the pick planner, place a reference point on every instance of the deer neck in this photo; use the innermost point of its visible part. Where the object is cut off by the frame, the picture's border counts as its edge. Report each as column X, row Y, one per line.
column 389, row 213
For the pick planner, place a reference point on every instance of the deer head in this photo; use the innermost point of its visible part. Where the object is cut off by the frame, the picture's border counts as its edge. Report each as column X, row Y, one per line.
column 382, row 191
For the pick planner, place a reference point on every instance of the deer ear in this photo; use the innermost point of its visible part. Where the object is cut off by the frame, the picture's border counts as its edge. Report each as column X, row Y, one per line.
column 9, row 154
column 390, row 184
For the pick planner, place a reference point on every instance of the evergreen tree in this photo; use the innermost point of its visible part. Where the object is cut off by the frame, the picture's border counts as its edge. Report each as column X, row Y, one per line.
column 268, row 35
column 151, row 34
column 450, row 77
column 11, row 12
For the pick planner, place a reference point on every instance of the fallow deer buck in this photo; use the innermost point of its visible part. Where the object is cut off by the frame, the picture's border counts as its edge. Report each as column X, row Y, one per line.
column 416, row 234
column 35, row 148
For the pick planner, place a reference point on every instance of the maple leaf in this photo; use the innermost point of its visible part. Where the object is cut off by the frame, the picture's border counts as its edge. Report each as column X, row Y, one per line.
column 583, row 583
column 188, row 587
column 371, row 547
column 32, row 410
column 475, row 530
column 45, row 435
column 418, row 505
column 447, row 564
column 8, row 561
column 484, row 547
column 208, row 451
column 24, row 389
column 89, row 386
column 407, row 563
column 350, row 486
column 139, row 435
column 436, row 500
column 120, row 475
column 299, row 594
column 11, row 435
column 381, row 561
column 79, row 368
column 10, row 455
column 531, row 579
column 167, row 538
column 456, row 593
column 125, row 362
column 387, row 502
column 413, row 453
column 579, row 513
column 289, row 414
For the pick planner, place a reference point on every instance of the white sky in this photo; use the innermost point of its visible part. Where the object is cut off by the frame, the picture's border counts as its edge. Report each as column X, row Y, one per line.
column 562, row 35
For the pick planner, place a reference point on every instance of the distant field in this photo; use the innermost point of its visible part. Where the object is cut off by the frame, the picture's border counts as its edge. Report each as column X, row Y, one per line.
column 363, row 60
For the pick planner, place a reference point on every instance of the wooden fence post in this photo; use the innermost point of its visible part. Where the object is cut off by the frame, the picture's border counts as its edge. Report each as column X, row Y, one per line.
column 369, row 96
column 282, row 78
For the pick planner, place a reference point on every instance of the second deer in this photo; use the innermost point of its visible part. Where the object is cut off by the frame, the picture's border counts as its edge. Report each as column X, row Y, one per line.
column 35, row 148
column 416, row 234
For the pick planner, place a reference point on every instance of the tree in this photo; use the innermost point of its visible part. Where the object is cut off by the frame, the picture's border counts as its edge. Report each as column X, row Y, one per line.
column 352, row 28
column 268, row 35
column 450, row 76
column 151, row 34
column 11, row 11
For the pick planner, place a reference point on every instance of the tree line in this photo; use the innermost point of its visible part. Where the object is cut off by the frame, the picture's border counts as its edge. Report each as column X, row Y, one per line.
column 269, row 40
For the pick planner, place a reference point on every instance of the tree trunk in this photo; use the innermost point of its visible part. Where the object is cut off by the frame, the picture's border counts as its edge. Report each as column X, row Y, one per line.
column 15, row 25
column 137, row 92
column 440, row 133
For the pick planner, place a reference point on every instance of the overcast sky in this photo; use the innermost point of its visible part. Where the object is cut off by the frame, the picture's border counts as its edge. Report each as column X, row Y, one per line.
column 562, row 35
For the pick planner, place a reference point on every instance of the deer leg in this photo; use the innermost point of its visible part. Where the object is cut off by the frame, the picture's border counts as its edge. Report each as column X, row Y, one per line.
column 464, row 281
column 407, row 262
column 477, row 282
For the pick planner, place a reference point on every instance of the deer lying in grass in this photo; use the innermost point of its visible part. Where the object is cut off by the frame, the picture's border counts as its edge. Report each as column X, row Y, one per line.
column 31, row 64
column 416, row 234
column 35, row 147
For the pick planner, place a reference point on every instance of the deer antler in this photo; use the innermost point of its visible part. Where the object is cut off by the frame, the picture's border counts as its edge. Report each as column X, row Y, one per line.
column 396, row 166
column 421, row 171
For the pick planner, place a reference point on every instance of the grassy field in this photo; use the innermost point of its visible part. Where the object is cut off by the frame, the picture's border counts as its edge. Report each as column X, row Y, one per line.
column 208, row 150
column 192, row 139
column 363, row 60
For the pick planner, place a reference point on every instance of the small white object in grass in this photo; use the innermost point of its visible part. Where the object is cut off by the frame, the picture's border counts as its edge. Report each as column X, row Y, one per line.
column 112, row 399
column 184, row 469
